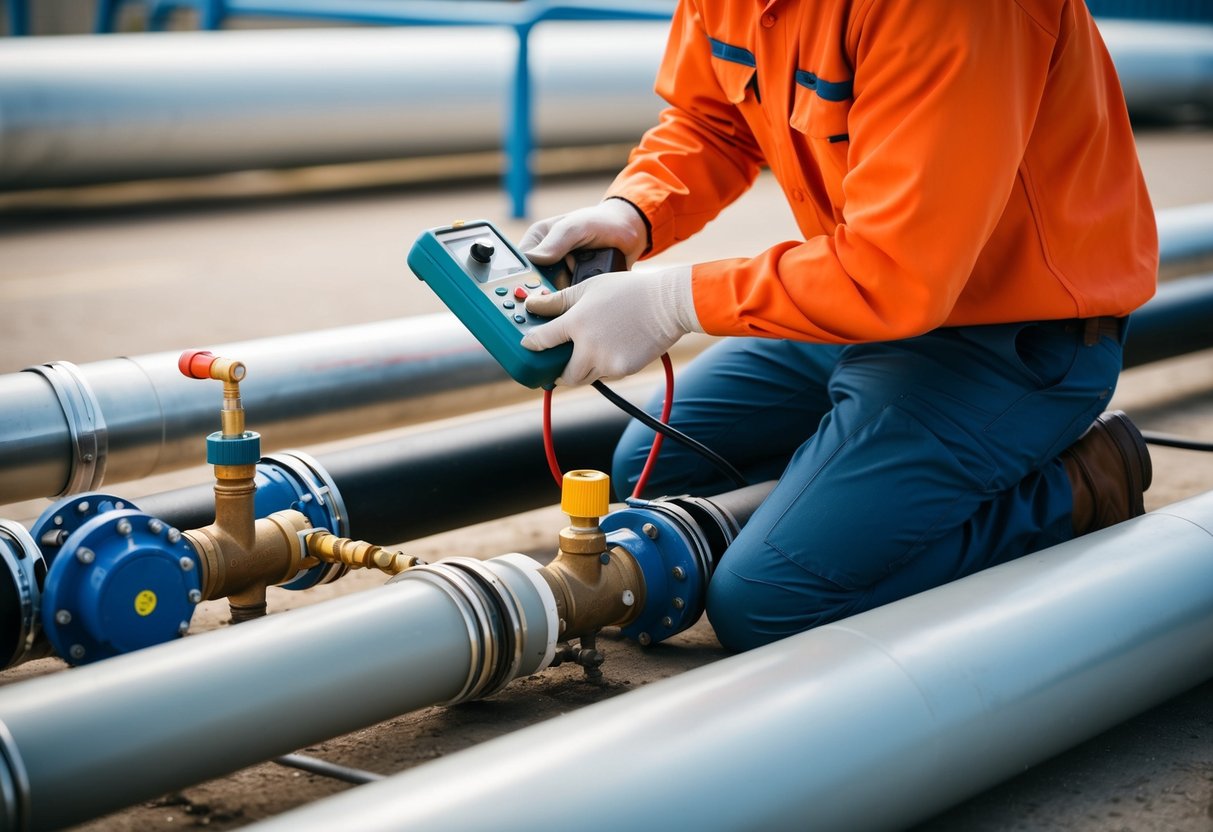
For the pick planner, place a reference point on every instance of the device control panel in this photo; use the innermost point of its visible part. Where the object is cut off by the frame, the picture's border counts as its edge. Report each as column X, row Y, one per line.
column 485, row 281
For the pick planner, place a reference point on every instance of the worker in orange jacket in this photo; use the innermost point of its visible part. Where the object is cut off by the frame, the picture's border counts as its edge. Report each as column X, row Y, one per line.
column 918, row 369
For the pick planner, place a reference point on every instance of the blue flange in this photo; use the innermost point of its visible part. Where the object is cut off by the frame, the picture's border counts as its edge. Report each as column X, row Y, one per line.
column 675, row 560
column 294, row 480
column 22, row 575
column 121, row 581
column 61, row 518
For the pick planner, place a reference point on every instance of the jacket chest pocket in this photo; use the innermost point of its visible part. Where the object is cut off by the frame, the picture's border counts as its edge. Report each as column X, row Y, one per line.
column 736, row 79
column 820, row 115
column 736, row 73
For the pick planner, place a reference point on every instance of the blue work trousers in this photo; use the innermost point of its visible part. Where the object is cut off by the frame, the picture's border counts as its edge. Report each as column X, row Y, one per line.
column 902, row 465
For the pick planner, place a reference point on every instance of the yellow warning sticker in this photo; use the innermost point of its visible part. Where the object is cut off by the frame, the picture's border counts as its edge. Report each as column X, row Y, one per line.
column 145, row 602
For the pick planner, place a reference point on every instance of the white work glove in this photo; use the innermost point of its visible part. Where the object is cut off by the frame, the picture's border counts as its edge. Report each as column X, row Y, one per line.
column 618, row 323
column 612, row 223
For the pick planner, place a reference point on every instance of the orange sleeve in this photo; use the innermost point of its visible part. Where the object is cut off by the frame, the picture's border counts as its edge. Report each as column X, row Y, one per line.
column 701, row 155
column 945, row 96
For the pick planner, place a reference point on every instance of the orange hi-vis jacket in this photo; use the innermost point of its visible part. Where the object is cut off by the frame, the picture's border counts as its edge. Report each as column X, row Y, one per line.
column 949, row 162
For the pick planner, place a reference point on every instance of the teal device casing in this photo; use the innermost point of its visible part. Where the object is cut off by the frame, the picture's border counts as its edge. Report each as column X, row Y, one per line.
column 472, row 288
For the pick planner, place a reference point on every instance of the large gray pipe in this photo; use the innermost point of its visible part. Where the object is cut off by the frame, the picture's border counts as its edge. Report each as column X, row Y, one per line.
column 1166, row 69
column 875, row 722
column 76, row 110
column 1185, row 233
column 75, row 746
column 66, row 428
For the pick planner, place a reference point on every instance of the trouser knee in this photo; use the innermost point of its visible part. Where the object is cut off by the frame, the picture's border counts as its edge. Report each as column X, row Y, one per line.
column 748, row 611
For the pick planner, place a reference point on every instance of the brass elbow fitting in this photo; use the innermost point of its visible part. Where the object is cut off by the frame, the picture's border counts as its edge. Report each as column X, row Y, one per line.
column 240, row 556
column 594, row 587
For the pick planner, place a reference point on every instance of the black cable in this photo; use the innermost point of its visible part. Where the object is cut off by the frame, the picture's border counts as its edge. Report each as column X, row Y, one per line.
column 676, row 435
column 324, row 768
column 1175, row 441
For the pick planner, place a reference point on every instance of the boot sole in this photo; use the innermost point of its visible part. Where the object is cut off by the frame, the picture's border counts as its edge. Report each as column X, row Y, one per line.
column 1133, row 448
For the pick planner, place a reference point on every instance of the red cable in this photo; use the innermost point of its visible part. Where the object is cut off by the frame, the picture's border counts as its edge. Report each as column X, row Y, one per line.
column 549, row 448
column 666, row 406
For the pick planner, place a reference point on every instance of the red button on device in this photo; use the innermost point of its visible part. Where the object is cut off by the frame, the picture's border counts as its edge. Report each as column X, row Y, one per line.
column 520, row 293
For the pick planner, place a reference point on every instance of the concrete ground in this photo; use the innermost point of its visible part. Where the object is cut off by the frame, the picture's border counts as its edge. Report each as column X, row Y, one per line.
column 86, row 275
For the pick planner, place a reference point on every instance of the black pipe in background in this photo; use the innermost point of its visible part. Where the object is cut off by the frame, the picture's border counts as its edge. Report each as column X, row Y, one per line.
column 441, row 479
column 1176, row 321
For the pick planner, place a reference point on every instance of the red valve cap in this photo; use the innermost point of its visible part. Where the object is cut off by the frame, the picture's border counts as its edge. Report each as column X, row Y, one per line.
column 196, row 363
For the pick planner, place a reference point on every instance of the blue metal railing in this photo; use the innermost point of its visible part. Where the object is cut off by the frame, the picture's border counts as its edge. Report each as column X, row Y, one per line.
column 18, row 17
column 1171, row 10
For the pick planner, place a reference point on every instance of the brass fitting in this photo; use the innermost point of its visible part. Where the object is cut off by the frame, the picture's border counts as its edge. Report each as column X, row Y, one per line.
column 201, row 364
column 594, row 587
column 358, row 554
column 241, row 558
column 239, row 555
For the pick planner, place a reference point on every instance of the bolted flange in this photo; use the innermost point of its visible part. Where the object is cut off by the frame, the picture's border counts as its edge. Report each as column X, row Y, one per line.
column 134, row 591
column 294, row 480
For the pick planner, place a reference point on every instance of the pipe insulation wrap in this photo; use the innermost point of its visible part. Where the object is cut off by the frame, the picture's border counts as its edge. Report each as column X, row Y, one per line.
column 138, row 725
column 79, row 110
column 874, row 722
column 87, row 109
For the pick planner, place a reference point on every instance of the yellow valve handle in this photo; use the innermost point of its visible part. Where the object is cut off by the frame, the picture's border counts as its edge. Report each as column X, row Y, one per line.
column 585, row 493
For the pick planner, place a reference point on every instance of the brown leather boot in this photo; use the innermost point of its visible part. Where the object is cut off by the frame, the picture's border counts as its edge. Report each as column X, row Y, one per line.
column 1109, row 469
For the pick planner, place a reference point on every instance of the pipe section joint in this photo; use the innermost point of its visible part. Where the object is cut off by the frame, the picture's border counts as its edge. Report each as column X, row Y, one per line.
column 85, row 423
column 509, row 613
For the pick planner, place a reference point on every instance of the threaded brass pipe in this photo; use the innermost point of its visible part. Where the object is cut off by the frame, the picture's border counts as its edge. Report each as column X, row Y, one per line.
column 358, row 554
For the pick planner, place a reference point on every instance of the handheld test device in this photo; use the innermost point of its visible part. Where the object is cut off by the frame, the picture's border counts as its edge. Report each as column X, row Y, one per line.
column 485, row 281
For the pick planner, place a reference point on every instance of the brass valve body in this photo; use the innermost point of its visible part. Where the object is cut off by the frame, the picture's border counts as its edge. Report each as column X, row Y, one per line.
column 231, row 567
column 593, row 587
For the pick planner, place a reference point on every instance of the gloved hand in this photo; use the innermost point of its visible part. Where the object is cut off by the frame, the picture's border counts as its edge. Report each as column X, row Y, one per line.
column 612, row 223
column 617, row 325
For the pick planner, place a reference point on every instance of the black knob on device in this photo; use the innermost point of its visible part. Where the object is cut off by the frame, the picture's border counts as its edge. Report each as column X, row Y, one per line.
column 482, row 251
